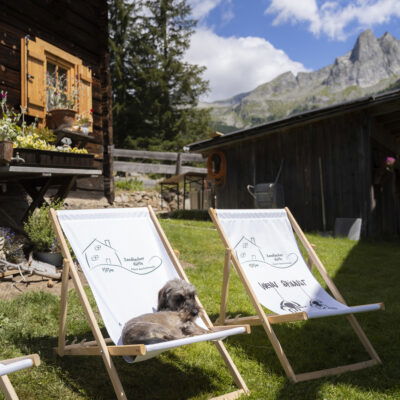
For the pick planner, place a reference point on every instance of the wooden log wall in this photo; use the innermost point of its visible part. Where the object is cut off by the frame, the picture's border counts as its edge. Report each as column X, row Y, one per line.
column 342, row 143
column 78, row 27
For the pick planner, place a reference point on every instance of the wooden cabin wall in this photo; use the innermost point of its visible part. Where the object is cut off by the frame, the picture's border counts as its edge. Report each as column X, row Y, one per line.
column 342, row 145
column 78, row 27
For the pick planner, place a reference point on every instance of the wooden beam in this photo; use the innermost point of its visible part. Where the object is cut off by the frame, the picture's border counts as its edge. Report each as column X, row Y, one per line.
column 231, row 396
column 63, row 308
column 157, row 155
column 7, row 388
column 272, row 319
column 125, row 350
column 126, row 166
column 334, row 371
column 34, row 357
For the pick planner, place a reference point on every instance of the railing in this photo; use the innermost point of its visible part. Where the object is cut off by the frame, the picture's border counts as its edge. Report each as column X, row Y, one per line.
column 147, row 168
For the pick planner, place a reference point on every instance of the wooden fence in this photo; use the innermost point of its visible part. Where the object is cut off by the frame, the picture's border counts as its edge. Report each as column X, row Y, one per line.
column 174, row 168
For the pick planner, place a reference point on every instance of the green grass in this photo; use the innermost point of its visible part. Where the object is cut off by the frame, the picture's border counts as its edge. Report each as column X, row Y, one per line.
column 365, row 272
column 129, row 184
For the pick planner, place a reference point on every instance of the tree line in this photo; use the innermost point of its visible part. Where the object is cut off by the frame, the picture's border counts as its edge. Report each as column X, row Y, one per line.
column 155, row 92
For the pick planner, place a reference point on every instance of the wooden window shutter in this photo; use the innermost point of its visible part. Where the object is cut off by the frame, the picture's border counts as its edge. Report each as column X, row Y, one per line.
column 85, row 90
column 33, row 87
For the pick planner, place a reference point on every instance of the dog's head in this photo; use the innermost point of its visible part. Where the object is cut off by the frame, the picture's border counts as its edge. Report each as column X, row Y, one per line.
column 178, row 295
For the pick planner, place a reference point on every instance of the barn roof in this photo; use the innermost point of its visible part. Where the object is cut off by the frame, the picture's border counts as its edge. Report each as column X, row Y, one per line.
column 297, row 119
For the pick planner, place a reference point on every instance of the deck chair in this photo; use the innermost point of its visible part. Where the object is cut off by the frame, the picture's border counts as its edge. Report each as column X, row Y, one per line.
column 126, row 258
column 262, row 247
column 13, row 365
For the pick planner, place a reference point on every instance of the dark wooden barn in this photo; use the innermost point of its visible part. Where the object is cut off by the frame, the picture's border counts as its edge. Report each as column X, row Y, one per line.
column 67, row 38
column 334, row 164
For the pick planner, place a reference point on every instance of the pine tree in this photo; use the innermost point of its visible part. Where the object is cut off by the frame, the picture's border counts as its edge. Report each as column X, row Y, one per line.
column 120, row 37
column 158, row 92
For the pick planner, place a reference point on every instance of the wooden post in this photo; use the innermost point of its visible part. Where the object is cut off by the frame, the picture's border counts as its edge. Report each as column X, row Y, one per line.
column 63, row 308
column 7, row 388
column 225, row 287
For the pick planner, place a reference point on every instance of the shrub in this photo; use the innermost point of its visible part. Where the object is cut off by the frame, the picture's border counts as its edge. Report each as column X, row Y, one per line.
column 129, row 184
column 39, row 228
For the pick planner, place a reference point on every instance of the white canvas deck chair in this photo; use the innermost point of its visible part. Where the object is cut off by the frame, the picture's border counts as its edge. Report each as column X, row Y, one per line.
column 262, row 247
column 13, row 365
column 126, row 259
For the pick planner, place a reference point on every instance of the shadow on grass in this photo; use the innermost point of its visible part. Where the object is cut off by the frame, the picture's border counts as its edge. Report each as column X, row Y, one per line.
column 370, row 273
column 164, row 378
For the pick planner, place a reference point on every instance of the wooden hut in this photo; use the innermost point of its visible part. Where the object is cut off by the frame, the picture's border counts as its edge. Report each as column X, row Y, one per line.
column 69, row 40
column 334, row 164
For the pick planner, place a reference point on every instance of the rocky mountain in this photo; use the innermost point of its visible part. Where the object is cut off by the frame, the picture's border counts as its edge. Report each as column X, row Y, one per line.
column 372, row 66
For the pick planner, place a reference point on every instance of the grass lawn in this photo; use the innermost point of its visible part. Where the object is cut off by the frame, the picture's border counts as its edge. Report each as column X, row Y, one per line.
column 365, row 272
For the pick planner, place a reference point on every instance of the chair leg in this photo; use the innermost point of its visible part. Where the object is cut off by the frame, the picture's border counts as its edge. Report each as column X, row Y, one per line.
column 7, row 388
column 225, row 288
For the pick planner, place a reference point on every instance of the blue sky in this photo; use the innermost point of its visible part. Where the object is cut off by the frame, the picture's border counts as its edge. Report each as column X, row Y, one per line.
column 244, row 43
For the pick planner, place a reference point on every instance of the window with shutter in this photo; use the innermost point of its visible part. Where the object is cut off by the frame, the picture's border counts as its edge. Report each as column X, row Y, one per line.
column 52, row 78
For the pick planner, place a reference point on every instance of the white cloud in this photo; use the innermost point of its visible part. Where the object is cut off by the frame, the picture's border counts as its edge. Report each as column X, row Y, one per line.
column 236, row 65
column 200, row 8
column 331, row 17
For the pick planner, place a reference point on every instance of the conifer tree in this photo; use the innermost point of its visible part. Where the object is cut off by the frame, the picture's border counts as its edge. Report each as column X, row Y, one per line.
column 157, row 93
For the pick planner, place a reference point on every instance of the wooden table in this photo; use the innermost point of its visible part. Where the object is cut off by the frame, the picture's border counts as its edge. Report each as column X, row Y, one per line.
column 36, row 181
column 187, row 178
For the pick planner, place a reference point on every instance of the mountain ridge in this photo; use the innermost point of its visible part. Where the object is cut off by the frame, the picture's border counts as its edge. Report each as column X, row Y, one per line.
column 372, row 66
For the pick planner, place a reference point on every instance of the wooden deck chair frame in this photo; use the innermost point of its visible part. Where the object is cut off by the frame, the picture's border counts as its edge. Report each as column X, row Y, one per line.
column 268, row 320
column 99, row 346
column 5, row 385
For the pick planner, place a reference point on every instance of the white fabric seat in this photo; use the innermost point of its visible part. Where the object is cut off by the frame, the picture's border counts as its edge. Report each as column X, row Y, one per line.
column 264, row 244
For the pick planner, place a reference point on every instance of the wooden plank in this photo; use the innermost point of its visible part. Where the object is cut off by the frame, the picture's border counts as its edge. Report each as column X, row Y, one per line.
column 53, row 171
column 34, row 357
column 334, row 371
column 272, row 319
column 157, row 155
column 7, row 388
column 124, row 166
column 125, row 350
column 225, row 286
column 231, row 396
column 63, row 309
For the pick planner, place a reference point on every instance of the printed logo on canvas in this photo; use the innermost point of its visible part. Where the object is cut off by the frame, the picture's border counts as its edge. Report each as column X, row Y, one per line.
column 248, row 252
column 102, row 255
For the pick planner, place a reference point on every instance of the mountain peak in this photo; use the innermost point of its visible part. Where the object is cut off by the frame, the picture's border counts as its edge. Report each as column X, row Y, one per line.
column 366, row 47
column 372, row 66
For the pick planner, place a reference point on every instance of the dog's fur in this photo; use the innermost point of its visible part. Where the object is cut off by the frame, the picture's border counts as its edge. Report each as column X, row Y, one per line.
column 174, row 319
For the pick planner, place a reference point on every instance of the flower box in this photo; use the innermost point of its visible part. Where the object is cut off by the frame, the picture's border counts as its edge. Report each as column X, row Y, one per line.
column 44, row 158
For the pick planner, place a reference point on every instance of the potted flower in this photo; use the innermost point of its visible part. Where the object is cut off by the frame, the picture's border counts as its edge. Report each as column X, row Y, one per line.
column 9, row 129
column 40, row 232
column 84, row 122
column 61, row 111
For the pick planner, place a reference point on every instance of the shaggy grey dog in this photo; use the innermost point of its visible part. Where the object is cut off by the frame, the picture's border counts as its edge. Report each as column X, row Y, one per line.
column 174, row 319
